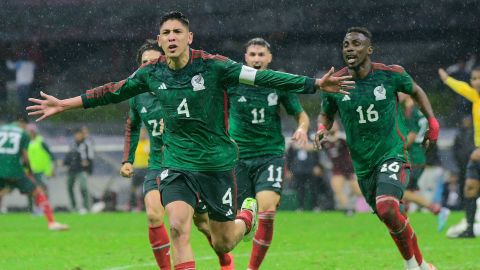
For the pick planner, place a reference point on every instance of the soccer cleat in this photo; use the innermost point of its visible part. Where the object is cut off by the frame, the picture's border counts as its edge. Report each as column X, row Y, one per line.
column 442, row 218
column 55, row 226
column 250, row 204
column 427, row 266
column 231, row 266
column 468, row 233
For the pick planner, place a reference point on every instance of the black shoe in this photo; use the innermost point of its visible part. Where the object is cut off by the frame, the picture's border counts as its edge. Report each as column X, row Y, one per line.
column 468, row 233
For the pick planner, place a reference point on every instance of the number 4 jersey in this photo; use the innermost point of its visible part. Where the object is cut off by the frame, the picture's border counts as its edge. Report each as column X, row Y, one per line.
column 13, row 140
column 193, row 105
column 371, row 116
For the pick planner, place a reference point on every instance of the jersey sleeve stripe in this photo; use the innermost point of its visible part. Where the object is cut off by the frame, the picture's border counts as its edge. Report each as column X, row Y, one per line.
column 247, row 75
column 102, row 90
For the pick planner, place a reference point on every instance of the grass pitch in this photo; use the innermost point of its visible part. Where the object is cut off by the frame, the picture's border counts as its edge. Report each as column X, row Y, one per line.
column 119, row 241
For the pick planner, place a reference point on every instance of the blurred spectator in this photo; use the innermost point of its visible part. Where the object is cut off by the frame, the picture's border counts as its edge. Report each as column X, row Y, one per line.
column 79, row 165
column 40, row 157
column 433, row 176
column 342, row 171
column 462, row 147
column 304, row 165
column 25, row 71
column 90, row 148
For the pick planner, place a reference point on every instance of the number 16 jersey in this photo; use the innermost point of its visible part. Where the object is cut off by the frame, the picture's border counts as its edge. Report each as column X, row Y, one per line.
column 371, row 116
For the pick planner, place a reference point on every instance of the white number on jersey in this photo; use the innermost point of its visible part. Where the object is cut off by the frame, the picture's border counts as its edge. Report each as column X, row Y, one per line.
column 372, row 115
column 227, row 198
column 156, row 127
column 11, row 138
column 278, row 180
column 255, row 116
column 183, row 108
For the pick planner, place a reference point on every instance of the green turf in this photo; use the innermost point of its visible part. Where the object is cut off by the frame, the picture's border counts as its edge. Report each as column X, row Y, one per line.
column 302, row 241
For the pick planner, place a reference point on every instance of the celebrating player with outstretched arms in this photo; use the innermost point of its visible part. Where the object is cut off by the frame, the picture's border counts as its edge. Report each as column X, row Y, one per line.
column 199, row 156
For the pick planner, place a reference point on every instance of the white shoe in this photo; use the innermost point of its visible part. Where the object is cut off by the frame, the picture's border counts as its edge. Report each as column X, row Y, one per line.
column 83, row 211
column 55, row 226
column 457, row 229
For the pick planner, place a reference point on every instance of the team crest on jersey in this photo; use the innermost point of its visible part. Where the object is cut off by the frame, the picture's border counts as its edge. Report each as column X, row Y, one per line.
column 272, row 99
column 198, row 82
column 380, row 93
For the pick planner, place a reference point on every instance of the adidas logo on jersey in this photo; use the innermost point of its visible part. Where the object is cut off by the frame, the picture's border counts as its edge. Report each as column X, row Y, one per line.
column 162, row 86
column 143, row 110
column 242, row 99
column 229, row 213
column 346, row 98
column 393, row 176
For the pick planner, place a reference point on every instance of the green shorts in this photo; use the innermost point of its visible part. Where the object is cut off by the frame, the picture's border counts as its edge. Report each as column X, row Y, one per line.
column 151, row 181
column 212, row 192
column 259, row 174
column 390, row 178
column 26, row 184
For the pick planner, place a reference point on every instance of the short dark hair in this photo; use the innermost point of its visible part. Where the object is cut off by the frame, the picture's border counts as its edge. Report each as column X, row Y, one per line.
column 149, row 45
column 21, row 118
column 257, row 41
column 361, row 30
column 174, row 15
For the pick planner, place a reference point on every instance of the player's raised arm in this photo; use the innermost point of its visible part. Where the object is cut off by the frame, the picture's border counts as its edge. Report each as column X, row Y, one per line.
column 109, row 93
column 235, row 73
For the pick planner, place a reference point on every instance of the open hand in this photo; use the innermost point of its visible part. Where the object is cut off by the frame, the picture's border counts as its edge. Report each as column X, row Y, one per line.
column 332, row 84
column 46, row 107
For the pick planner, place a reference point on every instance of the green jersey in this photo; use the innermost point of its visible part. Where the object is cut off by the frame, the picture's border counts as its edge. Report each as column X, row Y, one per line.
column 254, row 120
column 13, row 141
column 193, row 101
column 418, row 124
column 144, row 108
column 374, row 127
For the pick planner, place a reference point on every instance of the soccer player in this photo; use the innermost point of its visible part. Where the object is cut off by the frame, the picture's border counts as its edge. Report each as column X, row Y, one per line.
column 256, row 127
column 417, row 125
column 472, row 185
column 199, row 155
column 14, row 142
column 376, row 135
column 146, row 108
column 342, row 169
